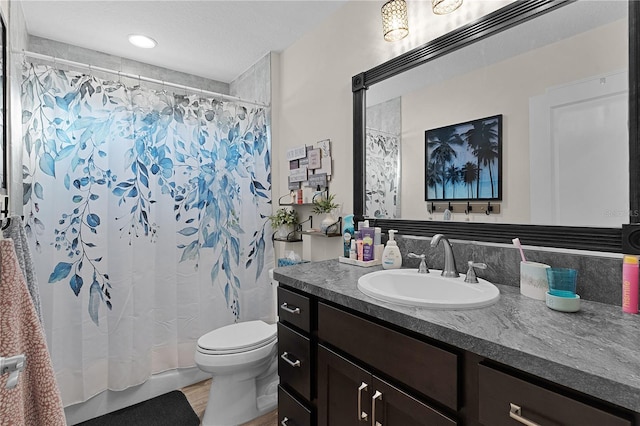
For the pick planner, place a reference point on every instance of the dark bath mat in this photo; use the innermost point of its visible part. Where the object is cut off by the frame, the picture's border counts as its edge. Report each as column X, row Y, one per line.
column 170, row 409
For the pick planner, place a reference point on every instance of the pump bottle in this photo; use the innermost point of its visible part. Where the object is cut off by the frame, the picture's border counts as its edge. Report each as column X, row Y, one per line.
column 391, row 257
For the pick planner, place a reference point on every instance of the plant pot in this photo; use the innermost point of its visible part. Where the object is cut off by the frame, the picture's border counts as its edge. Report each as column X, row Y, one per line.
column 328, row 224
column 284, row 231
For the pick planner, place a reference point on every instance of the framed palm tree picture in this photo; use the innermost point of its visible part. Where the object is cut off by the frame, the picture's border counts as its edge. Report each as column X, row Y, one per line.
column 464, row 161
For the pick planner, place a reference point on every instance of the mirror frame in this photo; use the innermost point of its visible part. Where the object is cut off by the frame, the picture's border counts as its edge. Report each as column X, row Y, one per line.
column 625, row 239
column 4, row 185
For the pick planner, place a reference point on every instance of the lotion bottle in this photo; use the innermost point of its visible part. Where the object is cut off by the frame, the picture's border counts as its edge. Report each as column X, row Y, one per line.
column 630, row 285
column 391, row 257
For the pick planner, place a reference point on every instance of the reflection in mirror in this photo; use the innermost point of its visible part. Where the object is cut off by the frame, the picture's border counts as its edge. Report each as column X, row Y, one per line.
column 561, row 83
column 383, row 143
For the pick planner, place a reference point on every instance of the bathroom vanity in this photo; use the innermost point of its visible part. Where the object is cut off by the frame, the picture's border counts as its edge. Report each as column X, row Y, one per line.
column 348, row 359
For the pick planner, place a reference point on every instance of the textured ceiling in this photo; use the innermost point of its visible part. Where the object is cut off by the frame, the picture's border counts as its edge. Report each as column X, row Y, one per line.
column 213, row 39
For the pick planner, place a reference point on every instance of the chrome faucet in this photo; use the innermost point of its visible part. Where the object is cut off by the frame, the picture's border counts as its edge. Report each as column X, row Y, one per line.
column 449, row 270
column 422, row 269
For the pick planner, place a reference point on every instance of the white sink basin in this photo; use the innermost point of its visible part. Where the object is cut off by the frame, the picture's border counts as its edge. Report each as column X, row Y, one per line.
column 408, row 287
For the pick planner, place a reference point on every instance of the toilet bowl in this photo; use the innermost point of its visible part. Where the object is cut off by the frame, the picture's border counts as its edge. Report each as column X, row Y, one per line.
column 242, row 360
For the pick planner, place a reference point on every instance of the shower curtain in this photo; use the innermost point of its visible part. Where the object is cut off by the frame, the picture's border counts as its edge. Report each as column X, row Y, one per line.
column 147, row 214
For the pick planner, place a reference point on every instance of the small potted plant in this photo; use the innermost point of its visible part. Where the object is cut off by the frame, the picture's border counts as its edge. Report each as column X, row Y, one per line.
column 284, row 221
column 326, row 206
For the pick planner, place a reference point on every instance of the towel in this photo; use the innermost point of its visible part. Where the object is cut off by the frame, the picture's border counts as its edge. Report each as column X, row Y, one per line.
column 36, row 401
column 16, row 232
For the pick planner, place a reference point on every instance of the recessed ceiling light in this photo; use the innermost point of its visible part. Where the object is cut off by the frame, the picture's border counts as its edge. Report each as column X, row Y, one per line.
column 142, row 41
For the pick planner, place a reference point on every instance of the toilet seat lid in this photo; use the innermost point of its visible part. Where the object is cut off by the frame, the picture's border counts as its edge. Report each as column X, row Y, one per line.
column 238, row 337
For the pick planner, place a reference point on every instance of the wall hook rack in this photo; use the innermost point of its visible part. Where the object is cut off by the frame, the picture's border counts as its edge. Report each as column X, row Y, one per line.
column 464, row 206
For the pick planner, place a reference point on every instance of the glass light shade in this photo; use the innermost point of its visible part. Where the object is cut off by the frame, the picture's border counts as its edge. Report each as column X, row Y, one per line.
column 442, row 7
column 142, row 41
column 395, row 22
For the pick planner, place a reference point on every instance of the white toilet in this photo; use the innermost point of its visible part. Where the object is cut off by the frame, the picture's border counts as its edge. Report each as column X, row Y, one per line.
column 242, row 358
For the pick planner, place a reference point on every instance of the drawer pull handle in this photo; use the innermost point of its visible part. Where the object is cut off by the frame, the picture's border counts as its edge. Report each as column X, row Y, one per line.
column 284, row 421
column 293, row 310
column 377, row 395
column 516, row 413
column 295, row 363
column 362, row 416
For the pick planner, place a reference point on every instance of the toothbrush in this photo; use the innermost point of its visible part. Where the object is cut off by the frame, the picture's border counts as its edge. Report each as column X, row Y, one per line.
column 516, row 242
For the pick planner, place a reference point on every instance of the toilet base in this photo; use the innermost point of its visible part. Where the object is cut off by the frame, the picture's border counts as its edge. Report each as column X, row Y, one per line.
column 234, row 400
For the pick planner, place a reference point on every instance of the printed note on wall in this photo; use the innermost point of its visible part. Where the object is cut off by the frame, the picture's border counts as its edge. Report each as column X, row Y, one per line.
column 298, row 175
column 297, row 152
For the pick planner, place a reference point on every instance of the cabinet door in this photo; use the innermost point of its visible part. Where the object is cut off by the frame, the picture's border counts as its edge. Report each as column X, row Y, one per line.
column 342, row 385
column 394, row 407
column 344, row 400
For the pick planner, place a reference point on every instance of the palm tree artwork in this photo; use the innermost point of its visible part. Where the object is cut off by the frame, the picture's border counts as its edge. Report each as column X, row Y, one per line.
column 464, row 161
column 441, row 144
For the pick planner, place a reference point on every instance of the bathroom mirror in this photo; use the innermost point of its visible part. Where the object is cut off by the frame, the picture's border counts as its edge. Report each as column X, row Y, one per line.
column 418, row 84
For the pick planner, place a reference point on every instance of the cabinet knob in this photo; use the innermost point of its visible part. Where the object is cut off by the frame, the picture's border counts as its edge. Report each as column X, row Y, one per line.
column 362, row 416
column 516, row 413
column 284, row 421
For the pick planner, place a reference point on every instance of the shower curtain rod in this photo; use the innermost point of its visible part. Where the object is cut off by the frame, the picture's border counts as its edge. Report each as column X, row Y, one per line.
column 138, row 77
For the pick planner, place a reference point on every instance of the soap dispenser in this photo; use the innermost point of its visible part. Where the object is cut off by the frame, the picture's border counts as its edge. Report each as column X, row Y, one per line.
column 391, row 257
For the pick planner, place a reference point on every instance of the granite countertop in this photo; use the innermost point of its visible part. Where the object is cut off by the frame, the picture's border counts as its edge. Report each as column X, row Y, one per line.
column 595, row 351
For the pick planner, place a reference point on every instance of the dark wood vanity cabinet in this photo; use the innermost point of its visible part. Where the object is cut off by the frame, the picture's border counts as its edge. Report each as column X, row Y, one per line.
column 296, row 359
column 340, row 368
column 506, row 400
column 349, row 395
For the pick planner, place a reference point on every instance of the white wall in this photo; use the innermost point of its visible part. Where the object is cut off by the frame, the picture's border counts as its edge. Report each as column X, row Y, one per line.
column 315, row 99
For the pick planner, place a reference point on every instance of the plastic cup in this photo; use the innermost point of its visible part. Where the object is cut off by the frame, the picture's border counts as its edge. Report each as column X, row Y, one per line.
column 562, row 281
column 533, row 280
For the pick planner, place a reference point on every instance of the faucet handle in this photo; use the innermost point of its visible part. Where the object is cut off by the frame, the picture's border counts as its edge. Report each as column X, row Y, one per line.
column 471, row 272
column 422, row 269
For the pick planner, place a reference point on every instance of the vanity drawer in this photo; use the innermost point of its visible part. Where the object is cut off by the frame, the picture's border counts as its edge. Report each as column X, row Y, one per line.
column 290, row 411
column 419, row 365
column 294, row 360
column 498, row 391
column 294, row 309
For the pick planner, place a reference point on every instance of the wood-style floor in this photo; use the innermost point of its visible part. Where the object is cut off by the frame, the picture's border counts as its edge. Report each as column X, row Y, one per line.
column 198, row 395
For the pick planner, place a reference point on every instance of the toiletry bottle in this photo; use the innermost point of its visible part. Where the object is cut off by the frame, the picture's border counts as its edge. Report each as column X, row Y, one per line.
column 347, row 233
column 352, row 250
column 378, row 248
column 367, row 243
column 359, row 249
column 391, row 257
column 318, row 195
column 630, row 284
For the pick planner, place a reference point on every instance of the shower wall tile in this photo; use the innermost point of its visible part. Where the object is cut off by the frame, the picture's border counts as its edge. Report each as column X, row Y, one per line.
column 599, row 276
column 101, row 59
column 255, row 83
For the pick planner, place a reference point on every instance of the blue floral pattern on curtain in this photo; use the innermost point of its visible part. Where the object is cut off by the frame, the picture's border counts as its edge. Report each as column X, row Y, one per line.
column 145, row 151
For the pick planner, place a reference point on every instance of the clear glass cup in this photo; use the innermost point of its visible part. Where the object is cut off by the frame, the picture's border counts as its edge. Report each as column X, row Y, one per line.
column 562, row 281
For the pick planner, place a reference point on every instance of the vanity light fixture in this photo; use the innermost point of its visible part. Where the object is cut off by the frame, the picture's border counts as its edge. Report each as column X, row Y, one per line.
column 395, row 22
column 442, row 7
column 142, row 41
